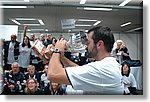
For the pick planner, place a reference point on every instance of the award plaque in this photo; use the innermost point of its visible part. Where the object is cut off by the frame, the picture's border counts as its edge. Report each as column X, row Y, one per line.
column 42, row 51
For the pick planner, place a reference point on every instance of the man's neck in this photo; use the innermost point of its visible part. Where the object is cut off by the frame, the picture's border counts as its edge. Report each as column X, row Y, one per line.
column 102, row 56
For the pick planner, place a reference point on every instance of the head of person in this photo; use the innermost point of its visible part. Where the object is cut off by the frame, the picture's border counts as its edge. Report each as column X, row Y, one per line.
column 61, row 36
column 32, row 37
column 49, row 36
column 42, row 37
column 31, row 86
column 100, row 41
column 15, row 68
column 119, row 44
column 31, row 70
column 26, row 42
column 125, row 69
column 13, row 38
column 54, row 86
column 54, row 40
column 46, row 69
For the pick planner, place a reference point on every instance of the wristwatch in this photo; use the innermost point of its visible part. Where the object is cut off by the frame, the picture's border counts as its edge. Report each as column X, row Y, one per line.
column 56, row 50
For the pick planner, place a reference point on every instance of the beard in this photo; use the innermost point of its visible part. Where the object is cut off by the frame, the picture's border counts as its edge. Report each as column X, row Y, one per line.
column 92, row 53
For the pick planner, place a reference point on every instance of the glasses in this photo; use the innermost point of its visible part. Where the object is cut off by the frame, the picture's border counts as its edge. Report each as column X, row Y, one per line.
column 31, row 82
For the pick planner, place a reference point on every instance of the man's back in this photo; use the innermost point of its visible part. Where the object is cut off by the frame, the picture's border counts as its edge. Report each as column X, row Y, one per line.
column 100, row 77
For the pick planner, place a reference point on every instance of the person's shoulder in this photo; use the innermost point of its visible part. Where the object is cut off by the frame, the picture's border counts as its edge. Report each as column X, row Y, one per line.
column 108, row 59
column 6, row 42
column 20, row 73
column 131, row 75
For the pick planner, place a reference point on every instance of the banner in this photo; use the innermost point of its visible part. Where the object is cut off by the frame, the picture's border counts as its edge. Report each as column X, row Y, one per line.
column 68, row 23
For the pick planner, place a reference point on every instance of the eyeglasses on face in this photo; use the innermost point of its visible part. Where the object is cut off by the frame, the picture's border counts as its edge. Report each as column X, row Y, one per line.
column 31, row 82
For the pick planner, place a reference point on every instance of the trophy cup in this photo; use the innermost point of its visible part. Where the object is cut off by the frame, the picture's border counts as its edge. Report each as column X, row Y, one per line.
column 77, row 43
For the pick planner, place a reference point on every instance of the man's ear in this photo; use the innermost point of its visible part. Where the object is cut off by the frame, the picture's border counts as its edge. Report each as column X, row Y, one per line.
column 100, row 44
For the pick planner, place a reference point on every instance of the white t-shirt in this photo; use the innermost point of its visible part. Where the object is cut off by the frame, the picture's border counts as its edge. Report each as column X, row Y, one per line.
column 100, row 77
column 11, row 58
column 129, row 82
column 71, row 91
column 34, row 61
column 24, row 57
column 44, row 79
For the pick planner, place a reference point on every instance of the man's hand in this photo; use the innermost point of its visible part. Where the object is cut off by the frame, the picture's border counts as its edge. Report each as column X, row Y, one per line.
column 11, row 87
column 61, row 45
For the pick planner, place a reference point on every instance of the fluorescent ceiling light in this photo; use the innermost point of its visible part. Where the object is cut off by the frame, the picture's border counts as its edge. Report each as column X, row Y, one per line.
column 14, row 0
column 26, row 0
column 13, row 6
column 38, row 29
column 28, row 30
column 26, row 19
column 69, row 30
column 86, row 31
column 83, row 25
column 32, row 24
column 41, row 22
column 135, row 29
column 96, row 23
column 15, row 21
column 125, row 2
column 103, row 9
column 86, row 20
column 46, row 29
column 82, row 1
column 125, row 24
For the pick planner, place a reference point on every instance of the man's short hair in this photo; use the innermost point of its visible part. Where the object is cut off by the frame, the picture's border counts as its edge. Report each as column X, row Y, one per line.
column 104, row 34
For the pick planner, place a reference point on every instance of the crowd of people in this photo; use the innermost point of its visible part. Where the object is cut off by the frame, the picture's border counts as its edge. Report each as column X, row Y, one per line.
column 25, row 73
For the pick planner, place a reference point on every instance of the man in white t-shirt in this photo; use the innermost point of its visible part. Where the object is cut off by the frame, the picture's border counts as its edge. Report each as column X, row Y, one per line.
column 11, row 52
column 100, row 77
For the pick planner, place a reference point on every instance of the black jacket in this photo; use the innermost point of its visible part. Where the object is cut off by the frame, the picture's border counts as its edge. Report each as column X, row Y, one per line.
column 17, row 80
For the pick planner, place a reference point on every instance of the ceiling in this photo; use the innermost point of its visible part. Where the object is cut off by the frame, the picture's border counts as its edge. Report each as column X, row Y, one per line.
column 51, row 12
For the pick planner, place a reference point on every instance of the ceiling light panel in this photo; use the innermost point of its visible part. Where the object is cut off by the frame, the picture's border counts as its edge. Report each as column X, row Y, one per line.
column 96, row 23
column 28, row 21
column 25, row 19
column 82, row 25
column 11, row 0
column 7, row 7
column 86, row 20
column 82, row 1
column 125, row 24
column 101, row 9
column 125, row 2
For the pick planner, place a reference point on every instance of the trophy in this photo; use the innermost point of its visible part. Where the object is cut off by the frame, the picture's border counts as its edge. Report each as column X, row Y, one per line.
column 77, row 43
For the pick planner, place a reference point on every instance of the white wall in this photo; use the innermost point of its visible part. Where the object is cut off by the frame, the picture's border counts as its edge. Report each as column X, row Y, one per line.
column 7, row 30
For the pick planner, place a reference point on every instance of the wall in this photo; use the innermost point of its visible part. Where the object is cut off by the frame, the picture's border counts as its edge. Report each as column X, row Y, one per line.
column 7, row 30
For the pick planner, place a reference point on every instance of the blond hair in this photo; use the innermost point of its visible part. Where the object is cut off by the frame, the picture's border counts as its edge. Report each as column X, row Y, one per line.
column 30, row 66
column 27, row 90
